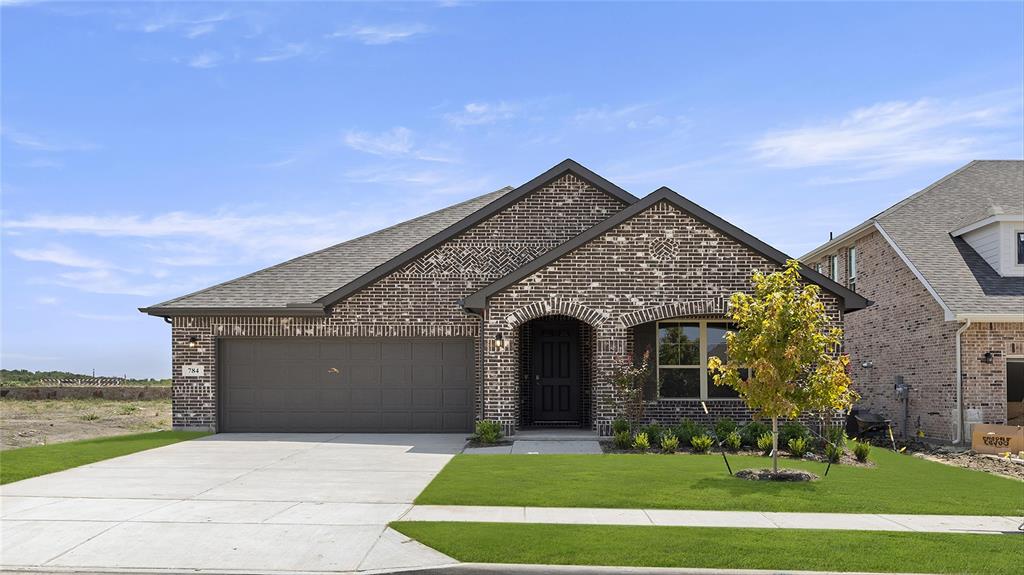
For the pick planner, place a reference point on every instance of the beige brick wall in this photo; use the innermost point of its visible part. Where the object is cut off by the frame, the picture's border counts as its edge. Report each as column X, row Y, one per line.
column 985, row 383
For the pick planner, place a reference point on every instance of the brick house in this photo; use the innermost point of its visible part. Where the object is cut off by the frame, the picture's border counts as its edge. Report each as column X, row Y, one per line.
column 945, row 270
column 510, row 306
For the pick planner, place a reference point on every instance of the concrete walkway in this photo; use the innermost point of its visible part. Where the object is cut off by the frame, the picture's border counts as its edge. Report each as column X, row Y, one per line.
column 685, row 518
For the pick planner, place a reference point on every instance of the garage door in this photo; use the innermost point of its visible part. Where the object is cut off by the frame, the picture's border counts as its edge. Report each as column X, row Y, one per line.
column 346, row 385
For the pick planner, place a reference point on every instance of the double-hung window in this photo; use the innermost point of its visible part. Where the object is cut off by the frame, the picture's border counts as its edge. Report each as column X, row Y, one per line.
column 833, row 267
column 851, row 268
column 682, row 355
column 1020, row 248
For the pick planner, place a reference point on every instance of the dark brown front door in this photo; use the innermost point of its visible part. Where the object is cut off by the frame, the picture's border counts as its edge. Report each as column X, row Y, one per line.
column 556, row 390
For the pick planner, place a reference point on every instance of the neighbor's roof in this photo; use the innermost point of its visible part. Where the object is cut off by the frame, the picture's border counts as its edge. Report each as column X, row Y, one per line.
column 922, row 228
column 308, row 278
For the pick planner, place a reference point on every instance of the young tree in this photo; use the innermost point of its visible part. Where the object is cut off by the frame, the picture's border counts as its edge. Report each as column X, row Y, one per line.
column 788, row 349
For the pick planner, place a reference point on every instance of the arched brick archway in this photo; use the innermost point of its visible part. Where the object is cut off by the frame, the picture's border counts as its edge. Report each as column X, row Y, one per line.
column 716, row 306
column 556, row 306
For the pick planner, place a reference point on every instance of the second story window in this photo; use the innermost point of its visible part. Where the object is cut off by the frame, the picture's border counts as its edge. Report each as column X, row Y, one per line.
column 851, row 268
column 1020, row 248
column 833, row 267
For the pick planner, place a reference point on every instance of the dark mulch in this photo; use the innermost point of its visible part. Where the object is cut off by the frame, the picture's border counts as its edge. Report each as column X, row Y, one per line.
column 781, row 475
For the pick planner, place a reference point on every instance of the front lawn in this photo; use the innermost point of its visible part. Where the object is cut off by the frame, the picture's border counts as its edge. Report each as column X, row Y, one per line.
column 18, row 464
column 721, row 548
column 897, row 484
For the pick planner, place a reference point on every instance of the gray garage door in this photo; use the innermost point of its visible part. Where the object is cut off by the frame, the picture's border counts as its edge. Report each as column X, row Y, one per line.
column 346, row 384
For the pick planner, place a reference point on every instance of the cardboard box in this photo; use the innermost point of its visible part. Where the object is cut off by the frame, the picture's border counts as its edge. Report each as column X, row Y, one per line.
column 997, row 439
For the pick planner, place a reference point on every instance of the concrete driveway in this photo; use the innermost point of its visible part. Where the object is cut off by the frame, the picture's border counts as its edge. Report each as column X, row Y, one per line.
column 232, row 502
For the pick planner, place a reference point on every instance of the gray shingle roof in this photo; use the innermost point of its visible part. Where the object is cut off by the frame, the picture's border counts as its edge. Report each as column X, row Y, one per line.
column 308, row 278
column 922, row 224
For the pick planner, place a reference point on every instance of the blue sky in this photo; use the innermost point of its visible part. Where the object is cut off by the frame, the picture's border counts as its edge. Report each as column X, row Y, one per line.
column 149, row 150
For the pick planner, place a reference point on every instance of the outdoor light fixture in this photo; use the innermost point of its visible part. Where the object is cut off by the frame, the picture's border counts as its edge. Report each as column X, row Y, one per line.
column 499, row 341
column 867, row 364
column 987, row 358
column 193, row 341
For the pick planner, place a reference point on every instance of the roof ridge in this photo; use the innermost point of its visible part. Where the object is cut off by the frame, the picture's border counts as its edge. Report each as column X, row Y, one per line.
column 504, row 190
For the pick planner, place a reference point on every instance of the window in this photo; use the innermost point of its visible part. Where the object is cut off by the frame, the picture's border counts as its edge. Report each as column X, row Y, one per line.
column 1020, row 248
column 851, row 268
column 833, row 267
column 683, row 351
column 817, row 267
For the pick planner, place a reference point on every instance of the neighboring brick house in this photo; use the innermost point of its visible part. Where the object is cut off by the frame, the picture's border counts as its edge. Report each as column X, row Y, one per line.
column 510, row 306
column 944, row 269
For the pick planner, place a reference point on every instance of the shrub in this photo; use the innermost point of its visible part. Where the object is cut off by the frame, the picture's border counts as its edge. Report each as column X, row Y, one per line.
column 89, row 417
column 724, row 427
column 792, row 430
column 835, row 442
column 669, row 443
column 764, row 443
column 127, row 409
column 702, row 443
column 487, row 431
column 752, row 431
column 733, row 441
column 620, row 425
column 654, row 433
column 861, row 449
column 798, row 446
column 641, row 442
column 686, row 430
column 623, row 440
column 833, row 452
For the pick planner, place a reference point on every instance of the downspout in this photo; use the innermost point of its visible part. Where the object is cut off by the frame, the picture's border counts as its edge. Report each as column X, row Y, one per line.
column 960, row 386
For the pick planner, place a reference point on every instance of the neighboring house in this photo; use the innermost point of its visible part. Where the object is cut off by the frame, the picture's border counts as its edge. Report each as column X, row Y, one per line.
column 512, row 306
column 945, row 270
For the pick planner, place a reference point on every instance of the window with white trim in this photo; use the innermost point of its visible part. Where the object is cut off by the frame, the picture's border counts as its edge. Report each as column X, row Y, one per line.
column 833, row 267
column 851, row 268
column 683, row 348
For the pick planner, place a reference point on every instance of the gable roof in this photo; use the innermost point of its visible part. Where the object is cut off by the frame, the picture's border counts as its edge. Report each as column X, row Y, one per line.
column 851, row 301
column 308, row 284
column 922, row 229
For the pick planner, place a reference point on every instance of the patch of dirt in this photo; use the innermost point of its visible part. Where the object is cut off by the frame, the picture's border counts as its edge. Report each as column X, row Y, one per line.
column 780, row 475
column 977, row 461
column 499, row 443
column 38, row 422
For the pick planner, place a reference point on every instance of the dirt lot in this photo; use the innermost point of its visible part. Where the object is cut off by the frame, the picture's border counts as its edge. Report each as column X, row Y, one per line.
column 36, row 422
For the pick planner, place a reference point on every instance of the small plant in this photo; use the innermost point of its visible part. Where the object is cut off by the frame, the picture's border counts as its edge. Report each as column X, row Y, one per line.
column 669, row 443
column 791, row 430
column 641, row 442
column 861, row 449
column 835, row 443
column 654, row 433
column 620, row 425
column 764, row 443
column 752, row 431
column 487, row 432
column 702, row 443
column 90, row 417
column 798, row 446
column 128, row 409
column 622, row 440
column 733, row 441
column 686, row 430
column 833, row 452
column 628, row 377
column 724, row 427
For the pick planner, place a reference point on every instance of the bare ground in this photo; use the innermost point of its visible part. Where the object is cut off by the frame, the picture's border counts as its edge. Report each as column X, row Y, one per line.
column 38, row 422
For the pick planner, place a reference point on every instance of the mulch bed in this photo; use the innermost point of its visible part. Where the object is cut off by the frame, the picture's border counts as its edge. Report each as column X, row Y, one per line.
column 780, row 475
column 846, row 459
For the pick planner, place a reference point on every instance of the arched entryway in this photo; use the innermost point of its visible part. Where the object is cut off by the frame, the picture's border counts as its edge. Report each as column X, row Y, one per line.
column 555, row 372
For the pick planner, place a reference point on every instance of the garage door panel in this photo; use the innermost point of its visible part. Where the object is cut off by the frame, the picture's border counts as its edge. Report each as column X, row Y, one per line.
column 346, row 384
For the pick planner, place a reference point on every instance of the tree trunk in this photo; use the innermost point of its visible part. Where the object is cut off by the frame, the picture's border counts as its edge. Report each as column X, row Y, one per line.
column 775, row 444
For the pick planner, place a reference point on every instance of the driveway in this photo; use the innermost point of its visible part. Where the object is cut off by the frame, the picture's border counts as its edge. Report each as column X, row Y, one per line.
column 231, row 502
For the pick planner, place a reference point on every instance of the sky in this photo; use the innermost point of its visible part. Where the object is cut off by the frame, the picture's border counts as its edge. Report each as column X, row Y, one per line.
column 149, row 150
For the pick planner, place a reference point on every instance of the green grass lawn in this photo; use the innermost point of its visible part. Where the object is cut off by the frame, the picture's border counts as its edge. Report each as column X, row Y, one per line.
column 18, row 464
column 716, row 547
column 897, row 484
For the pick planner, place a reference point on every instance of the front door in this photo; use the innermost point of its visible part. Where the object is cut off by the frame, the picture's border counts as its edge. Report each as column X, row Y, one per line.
column 556, row 385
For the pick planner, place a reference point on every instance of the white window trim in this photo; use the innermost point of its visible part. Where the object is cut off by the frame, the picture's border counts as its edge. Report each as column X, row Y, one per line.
column 703, row 352
column 851, row 267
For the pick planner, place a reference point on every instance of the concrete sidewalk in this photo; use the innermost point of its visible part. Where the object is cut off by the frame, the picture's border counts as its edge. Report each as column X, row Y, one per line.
column 686, row 518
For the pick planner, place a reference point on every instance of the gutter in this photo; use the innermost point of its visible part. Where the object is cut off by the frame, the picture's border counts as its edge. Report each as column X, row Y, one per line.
column 960, row 386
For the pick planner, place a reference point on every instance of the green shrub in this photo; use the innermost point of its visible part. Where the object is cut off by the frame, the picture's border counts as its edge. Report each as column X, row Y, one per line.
column 733, row 441
column 798, row 446
column 835, row 442
column 620, row 425
column 89, row 417
column 861, row 449
column 753, row 431
column 702, row 443
column 764, row 443
column 669, row 443
column 686, row 430
column 654, row 433
column 127, row 409
column 724, row 427
column 623, row 440
column 792, row 430
column 641, row 442
column 833, row 452
column 487, row 431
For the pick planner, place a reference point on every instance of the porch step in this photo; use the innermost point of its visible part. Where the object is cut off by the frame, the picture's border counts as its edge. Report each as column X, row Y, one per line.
column 555, row 435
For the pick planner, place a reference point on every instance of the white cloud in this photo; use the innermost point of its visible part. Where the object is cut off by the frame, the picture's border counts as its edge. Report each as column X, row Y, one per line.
column 105, row 281
column 382, row 34
column 631, row 117
column 47, row 300
column 397, row 142
column 60, row 255
column 39, row 143
column 190, row 27
column 888, row 137
column 434, row 182
column 479, row 113
column 200, row 30
column 286, row 52
column 205, row 60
